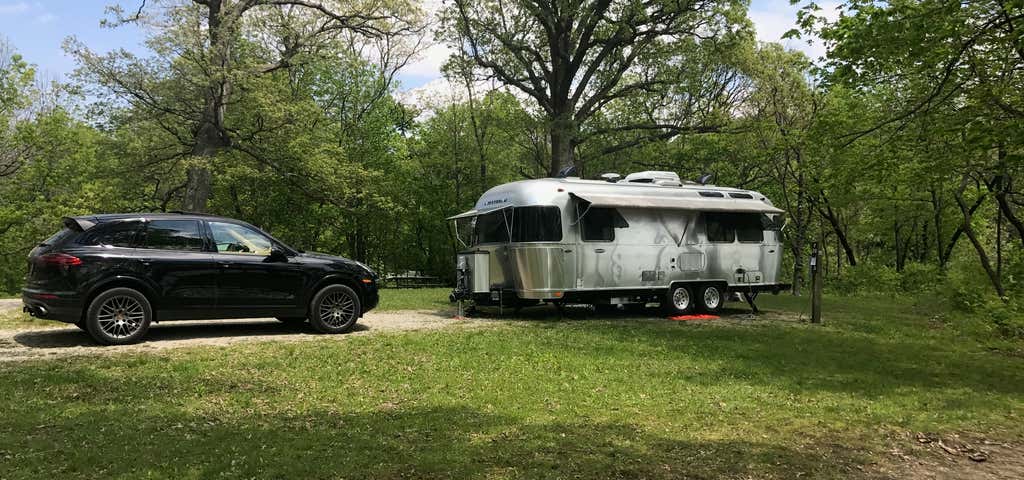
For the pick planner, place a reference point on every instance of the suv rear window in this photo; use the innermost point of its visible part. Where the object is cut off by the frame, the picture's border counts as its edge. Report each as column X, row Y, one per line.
column 118, row 234
column 174, row 235
column 57, row 238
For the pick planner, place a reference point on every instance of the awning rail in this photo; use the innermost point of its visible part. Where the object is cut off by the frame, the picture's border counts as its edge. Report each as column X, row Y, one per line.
column 676, row 203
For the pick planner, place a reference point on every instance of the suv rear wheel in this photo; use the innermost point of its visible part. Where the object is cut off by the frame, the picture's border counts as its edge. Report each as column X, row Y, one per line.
column 119, row 316
column 334, row 309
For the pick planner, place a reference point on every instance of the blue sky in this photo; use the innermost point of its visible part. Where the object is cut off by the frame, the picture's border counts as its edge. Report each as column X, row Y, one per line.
column 36, row 28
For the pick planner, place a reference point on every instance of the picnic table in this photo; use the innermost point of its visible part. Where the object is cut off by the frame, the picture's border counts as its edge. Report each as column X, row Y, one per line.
column 412, row 281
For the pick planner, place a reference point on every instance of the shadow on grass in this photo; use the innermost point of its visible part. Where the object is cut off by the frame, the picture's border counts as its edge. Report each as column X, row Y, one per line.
column 805, row 358
column 414, row 442
column 174, row 331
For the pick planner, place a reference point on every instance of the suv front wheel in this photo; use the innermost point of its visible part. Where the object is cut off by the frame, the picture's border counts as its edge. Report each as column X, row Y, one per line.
column 119, row 316
column 334, row 309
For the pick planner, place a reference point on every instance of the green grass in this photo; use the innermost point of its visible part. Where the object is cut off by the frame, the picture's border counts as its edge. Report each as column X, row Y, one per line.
column 16, row 319
column 414, row 299
column 547, row 398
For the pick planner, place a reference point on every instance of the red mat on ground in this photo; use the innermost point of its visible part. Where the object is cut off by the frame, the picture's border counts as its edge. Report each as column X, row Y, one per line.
column 700, row 316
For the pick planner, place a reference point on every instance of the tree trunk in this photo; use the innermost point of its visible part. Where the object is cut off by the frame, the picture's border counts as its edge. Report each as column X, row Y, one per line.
column 948, row 252
column 210, row 137
column 1006, row 210
column 833, row 220
column 937, row 218
column 563, row 143
column 969, row 231
column 197, row 189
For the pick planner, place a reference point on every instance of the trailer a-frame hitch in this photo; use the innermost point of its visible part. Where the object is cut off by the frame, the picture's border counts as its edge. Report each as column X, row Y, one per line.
column 750, row 297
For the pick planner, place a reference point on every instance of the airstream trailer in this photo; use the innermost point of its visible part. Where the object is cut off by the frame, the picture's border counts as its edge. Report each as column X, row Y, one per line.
column 642, row 239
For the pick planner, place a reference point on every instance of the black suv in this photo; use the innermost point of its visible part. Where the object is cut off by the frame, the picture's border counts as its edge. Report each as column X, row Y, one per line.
column 112, row 275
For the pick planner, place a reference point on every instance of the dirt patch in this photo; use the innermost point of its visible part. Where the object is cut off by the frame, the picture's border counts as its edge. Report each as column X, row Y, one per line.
column 10, row 304
column 55, row 340
column 953, row 456
column 69, row 341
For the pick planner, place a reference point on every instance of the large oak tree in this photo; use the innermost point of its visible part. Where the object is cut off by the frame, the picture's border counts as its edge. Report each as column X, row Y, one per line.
column 575, row 57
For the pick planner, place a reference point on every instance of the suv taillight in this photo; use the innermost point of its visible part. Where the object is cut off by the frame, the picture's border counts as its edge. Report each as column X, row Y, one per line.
column 60, row 259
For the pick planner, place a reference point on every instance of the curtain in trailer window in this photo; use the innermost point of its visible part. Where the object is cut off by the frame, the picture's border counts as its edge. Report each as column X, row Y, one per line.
column 536, row 224
column 749, row 227
column 599, row 224
column 729, row 227
column 719, row 228
column 492, row 228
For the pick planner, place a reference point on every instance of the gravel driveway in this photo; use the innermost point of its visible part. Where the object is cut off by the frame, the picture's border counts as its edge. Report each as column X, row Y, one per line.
column 29, row 344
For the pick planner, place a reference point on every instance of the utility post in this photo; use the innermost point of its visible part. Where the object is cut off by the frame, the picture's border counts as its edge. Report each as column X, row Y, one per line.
column 816, row 284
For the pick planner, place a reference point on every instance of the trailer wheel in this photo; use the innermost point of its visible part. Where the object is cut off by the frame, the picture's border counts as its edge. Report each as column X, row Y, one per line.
column 679, row 300
column 711, row 298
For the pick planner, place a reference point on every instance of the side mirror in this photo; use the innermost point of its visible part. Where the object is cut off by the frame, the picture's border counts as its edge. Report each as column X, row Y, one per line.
column 277, row 255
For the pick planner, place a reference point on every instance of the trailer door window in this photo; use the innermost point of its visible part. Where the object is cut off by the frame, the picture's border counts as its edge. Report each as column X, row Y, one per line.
column 599, row 224
column 536, row 224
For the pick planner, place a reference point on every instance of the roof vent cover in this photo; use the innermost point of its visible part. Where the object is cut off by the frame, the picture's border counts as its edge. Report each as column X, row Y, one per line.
column 655, row 177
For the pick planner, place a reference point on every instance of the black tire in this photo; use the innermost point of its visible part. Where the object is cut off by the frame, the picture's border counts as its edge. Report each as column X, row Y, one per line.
column 119, row 316
column 674, row 303
column 292, row 320
column 711, row 298
column 334, row 309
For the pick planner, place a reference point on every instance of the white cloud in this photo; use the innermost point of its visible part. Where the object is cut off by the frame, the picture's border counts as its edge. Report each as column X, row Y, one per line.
column 45, row 18
column 429, row 63
column 773, row 18
column 14, row 8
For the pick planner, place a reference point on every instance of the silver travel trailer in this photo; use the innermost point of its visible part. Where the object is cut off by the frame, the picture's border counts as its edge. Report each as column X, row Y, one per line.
column 642, row 239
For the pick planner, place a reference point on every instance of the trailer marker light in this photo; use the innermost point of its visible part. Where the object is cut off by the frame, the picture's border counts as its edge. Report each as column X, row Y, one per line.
column 558, row 294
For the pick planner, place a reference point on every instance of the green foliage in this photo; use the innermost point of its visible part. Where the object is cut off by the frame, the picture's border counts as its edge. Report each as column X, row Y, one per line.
column 867, row 279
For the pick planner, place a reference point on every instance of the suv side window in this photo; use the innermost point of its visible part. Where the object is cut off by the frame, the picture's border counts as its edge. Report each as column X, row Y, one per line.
column 119, row 234
column 234, row 238
column 186, row 235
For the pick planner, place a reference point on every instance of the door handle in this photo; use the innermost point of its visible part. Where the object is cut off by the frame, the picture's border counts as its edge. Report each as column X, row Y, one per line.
column 599, row 250
column 224, row 264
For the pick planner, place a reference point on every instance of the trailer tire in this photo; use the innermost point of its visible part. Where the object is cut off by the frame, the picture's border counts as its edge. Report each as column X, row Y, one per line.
column 711, row 298
column 678, row 300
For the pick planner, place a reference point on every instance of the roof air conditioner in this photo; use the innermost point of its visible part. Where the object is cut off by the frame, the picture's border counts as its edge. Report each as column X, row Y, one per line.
column 655, row 177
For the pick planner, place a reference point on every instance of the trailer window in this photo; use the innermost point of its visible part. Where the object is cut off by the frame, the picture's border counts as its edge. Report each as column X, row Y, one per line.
column 772, row 223
column 536, row 224
column 748, row 227
column 729, row 227
column 492, row 228
column 599, row 224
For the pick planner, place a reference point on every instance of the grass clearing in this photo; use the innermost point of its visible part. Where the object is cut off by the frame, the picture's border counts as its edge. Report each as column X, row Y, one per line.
column 15, row 319
column 414, row 299
column 545, row 398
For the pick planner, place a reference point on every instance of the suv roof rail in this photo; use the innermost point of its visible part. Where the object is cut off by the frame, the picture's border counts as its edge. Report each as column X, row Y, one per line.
column 182, row 212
